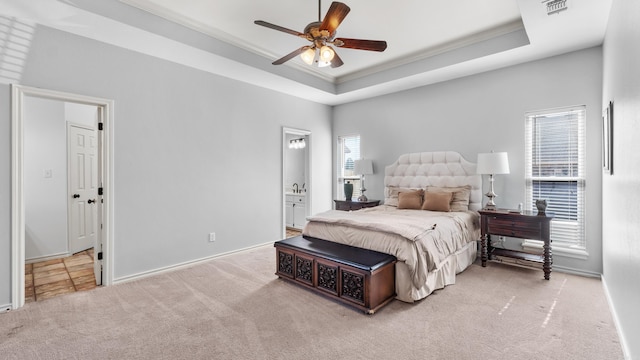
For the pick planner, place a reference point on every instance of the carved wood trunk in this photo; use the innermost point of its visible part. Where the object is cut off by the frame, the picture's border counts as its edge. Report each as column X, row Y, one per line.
column 358, row 277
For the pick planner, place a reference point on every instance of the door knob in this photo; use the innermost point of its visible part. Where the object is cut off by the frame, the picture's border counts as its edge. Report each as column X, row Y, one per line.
column 75, row 196
column 91, row 201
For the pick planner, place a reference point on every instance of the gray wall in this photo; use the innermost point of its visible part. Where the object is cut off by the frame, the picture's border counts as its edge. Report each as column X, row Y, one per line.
column 45, row 198
column 190, row 156
column 621, row 191
column 481, row 113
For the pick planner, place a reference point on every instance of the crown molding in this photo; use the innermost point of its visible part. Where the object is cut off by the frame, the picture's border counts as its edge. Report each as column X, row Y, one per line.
column 202, row 28
column 507, row 28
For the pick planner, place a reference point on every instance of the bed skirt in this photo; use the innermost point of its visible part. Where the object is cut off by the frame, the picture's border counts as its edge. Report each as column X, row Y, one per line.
column 436, row 279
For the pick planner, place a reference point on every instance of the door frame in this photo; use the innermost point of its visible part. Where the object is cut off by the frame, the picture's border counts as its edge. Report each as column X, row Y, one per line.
column 307, row 163
column 105, row 172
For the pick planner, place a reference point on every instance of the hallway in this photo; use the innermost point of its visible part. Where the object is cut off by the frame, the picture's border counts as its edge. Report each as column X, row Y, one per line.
column 47, row 279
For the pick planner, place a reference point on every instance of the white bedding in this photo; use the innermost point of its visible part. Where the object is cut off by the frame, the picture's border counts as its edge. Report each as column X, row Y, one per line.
column 431, row 246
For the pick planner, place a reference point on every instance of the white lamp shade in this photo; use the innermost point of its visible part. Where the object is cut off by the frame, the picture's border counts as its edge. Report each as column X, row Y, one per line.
column 493, row 163
column 363, row 167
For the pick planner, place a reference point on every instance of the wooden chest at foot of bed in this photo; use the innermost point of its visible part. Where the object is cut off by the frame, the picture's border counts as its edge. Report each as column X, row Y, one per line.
column 358, row 277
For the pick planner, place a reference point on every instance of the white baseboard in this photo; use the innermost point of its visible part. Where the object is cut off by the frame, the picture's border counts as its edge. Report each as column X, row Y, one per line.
column 47, row 257
column 614, row 314
column 538, row 266
column 5, row 308
column 182, row 265
column 576, row 271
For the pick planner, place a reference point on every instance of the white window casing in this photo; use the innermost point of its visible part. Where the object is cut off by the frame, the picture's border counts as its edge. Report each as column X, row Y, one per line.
column 348, row 152
column 555, row 171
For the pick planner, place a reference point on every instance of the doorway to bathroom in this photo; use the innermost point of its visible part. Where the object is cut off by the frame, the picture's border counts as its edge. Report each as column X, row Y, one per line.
column 296, row 180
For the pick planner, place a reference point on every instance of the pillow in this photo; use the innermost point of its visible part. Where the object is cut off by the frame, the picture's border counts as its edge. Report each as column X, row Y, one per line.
column 460, row 198
column 410, row 199
column 437, row 201
column 392, row 199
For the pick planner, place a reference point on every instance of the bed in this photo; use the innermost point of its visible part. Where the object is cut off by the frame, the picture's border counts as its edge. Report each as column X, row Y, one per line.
column 431, row 243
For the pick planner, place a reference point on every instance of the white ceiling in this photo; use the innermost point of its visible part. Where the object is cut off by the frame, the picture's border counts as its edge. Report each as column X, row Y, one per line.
column 428, row 41
column 411, row 28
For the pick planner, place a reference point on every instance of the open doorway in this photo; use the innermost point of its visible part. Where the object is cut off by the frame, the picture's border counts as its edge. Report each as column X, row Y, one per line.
column 296, row 180
column 60, row 197
column 61, row 176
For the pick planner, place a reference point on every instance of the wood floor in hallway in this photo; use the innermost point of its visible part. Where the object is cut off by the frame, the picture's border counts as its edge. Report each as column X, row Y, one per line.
column 291, row 232
column 47, row 279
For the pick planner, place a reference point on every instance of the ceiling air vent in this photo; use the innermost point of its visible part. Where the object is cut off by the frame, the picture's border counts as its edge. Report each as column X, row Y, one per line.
column 555, row 6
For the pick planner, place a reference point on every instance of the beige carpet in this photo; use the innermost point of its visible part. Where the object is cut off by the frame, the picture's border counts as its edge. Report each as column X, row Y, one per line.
column 235, row 308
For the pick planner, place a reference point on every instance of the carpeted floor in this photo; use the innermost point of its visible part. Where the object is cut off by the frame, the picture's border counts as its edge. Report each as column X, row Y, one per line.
column 234, row 307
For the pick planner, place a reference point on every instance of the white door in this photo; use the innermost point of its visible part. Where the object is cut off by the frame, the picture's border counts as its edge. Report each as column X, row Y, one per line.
column 83, row 188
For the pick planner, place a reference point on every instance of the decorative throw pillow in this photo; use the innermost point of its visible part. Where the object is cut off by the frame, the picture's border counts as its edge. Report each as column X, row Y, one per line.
column 460, row 198
column 392, row 199
column 410, row 199
column 437, row 201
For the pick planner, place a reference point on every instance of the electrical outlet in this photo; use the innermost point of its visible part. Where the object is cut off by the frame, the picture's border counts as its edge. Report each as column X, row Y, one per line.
column 212, row 237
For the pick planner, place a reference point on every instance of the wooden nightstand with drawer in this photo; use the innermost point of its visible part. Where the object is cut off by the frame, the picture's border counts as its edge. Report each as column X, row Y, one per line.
column 525, row 225
column 348, row 205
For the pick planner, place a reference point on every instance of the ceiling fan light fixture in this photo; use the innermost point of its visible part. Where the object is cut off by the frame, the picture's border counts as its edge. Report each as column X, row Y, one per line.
column 322, row 32
column 326, row 53
column 308, row 55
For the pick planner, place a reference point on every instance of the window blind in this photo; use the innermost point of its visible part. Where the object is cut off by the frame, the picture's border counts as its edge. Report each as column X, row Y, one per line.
column 555, row 171
column 349, row 152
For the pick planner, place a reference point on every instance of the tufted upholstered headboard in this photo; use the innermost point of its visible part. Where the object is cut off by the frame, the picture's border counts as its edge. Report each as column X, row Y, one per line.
column 439, row 168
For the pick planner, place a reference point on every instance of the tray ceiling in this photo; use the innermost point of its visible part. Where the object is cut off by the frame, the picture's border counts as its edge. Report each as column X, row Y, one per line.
column 428, row 41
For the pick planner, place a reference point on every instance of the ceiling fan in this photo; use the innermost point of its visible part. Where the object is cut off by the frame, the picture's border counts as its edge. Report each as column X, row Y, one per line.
column 322, row 34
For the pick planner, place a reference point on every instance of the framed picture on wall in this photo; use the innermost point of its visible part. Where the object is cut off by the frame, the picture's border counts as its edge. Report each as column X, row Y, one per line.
column 607, row 139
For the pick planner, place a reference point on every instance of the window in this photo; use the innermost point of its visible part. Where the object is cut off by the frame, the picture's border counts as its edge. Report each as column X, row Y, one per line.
column 348, row 153
column 554, row 155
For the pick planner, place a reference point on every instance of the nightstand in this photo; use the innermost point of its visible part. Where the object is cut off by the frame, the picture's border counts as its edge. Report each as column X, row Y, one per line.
column 525, row 225
column 347, row 205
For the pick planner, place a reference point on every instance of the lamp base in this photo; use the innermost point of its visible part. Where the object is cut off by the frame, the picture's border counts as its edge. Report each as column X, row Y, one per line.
column 491, row 205
column 362, row 197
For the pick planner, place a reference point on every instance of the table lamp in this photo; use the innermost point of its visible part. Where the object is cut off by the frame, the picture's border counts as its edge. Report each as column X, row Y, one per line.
column 363, row 167
column 492, row 163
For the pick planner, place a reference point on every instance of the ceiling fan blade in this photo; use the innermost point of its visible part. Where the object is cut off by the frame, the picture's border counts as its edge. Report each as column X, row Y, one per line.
column 371, row 45
column 337, row 12
column 336, row 61
column 279, row 28
column 290, row 56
